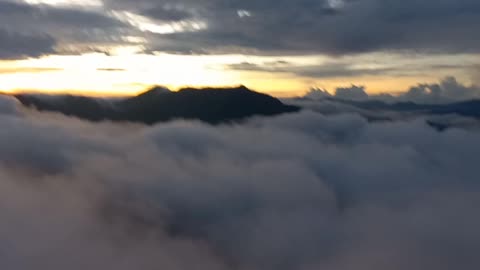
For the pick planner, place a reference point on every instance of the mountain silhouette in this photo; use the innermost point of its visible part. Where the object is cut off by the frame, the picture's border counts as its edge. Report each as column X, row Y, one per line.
column 212, row 105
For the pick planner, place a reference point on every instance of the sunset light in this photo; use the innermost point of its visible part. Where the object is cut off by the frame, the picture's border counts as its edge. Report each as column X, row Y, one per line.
column 239, row 134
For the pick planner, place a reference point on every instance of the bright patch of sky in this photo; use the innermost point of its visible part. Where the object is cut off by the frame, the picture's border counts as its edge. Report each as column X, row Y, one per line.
column 146, row 24
column 67, row 3
column 336, row 4
column 242, row 13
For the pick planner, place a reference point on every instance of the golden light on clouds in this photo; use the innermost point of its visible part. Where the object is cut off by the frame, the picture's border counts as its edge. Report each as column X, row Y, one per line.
column 127, row 72
column 121, row 74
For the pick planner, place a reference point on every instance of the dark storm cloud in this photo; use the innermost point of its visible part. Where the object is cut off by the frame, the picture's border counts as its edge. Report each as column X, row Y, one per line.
column 21, row 16
column 15, row 45
column 34, row 30
column 300, row 191
column 333, row 27
column 292, row 27
column 17, row 14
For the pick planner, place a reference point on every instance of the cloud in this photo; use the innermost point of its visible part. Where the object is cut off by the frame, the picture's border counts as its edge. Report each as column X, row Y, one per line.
column 351, row 93
column 446, row 91
column 111, row 69
column 318, row 27
column 166, row 13
column 317, row 93
column 354, row 92
column 52, row 17
column 298, row 191
column 327, row 70
column 16, row 45
column 35, row 30
column 359, row 66
column 8, row 105
column 271, row 27
column 476, row 75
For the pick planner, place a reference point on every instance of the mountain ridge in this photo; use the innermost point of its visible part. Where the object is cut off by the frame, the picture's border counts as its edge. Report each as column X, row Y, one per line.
column 158, row 104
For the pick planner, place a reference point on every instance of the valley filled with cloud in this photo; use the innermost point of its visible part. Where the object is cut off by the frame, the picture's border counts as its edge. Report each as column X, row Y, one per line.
column 301, row 190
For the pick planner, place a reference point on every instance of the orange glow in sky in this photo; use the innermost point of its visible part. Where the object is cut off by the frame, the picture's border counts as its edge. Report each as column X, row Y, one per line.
column 128, row 73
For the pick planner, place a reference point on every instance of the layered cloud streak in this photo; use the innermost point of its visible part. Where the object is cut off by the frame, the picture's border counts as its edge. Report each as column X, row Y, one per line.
column 264, row 27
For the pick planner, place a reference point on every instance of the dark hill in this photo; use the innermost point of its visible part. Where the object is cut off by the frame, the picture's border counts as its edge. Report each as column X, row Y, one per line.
column 212, row 105
column 93, row 109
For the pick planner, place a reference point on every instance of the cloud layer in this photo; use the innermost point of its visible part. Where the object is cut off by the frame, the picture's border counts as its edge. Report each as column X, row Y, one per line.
column 299, row 191
column 446, row 91
column 333, row 27
column 15, row 45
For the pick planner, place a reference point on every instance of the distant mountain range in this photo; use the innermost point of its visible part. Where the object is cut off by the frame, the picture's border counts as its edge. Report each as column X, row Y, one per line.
column 464, row 114
column 222, row 105
column 212, row 105
column 467, row 108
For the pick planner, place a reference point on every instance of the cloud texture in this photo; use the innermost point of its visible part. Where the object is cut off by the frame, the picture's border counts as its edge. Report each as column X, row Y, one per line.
column 15, row 45
column 299, row 191
column 329, row 27
column 446, row 91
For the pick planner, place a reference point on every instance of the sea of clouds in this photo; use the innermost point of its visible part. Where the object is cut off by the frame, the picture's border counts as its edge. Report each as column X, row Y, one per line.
column 298, row 191
column 448, row 90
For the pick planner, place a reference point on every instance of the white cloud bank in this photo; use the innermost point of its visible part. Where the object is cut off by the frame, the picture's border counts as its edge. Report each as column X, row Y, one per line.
column 299, row 191
column 446, row 91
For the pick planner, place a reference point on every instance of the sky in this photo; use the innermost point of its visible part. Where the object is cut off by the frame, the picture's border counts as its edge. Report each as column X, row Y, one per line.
column 282, row 47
